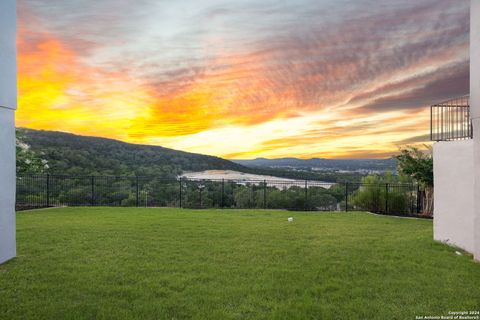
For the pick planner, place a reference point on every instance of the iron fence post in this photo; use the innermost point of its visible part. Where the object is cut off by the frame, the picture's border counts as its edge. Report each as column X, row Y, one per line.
column 92, row 178
column 264, row 194
column 137, row 195
column 418, row 199
column 306, row 195
column 48, row 190
column 253, row 201
column 386, row 198
column 346, row 196
column 180, row 191
column 223, row 193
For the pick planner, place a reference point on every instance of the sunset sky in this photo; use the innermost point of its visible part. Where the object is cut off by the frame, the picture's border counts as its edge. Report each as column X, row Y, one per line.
column 240, row 78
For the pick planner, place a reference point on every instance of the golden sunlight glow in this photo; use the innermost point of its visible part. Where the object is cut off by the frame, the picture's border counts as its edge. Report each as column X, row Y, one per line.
column 211, row 115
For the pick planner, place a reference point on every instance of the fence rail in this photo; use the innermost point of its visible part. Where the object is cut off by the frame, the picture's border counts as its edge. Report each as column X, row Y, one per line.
column 40, row 191
column 450, row 120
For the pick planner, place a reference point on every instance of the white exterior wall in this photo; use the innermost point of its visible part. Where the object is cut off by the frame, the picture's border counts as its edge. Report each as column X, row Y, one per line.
column 454, row 214
column 475, row 110
column 457, row 166
column 7, row 184
column 8, row 104
column 476, row 188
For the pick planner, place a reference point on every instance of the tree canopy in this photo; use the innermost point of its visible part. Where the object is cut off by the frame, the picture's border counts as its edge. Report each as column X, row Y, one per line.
column 417, row 164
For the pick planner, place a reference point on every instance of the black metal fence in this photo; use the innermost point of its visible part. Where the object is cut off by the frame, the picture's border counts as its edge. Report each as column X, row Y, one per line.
column 41, row 191
column 450, row 120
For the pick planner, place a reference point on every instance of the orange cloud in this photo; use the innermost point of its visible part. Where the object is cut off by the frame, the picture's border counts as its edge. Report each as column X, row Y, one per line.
column 233, row 96
column 57, row 91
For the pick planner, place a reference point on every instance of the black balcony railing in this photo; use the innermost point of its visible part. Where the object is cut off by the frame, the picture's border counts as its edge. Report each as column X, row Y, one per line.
column 450, row 120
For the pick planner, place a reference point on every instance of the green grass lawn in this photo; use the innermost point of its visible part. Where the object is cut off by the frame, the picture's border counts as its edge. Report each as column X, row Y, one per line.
column 129, row 263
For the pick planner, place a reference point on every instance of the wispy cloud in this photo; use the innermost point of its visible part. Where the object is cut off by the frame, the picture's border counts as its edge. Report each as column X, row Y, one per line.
column 173, row 73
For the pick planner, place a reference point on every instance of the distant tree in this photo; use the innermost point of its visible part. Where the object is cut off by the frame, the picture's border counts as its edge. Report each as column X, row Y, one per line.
column 418, row 164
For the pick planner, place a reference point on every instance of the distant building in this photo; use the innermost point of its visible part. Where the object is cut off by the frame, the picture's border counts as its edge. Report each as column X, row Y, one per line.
column 8, row 104
column 455, row 126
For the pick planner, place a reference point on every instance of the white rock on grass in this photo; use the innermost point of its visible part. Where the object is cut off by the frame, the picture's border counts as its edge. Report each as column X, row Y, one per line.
column 290, row 219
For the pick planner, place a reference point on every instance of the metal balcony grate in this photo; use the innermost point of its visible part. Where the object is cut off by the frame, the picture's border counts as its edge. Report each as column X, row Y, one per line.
column 450, row 120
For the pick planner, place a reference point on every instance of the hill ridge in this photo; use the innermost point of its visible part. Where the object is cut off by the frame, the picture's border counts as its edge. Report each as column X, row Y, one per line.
column 70, row 153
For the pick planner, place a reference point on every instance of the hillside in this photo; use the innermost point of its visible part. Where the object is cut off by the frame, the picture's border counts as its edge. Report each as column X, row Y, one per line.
column 80, row 155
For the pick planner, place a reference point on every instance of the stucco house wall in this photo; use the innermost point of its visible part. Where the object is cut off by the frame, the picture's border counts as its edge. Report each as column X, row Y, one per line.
column 8, row 104
column 475, row 110
column 453, row 193
column 457, row 166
